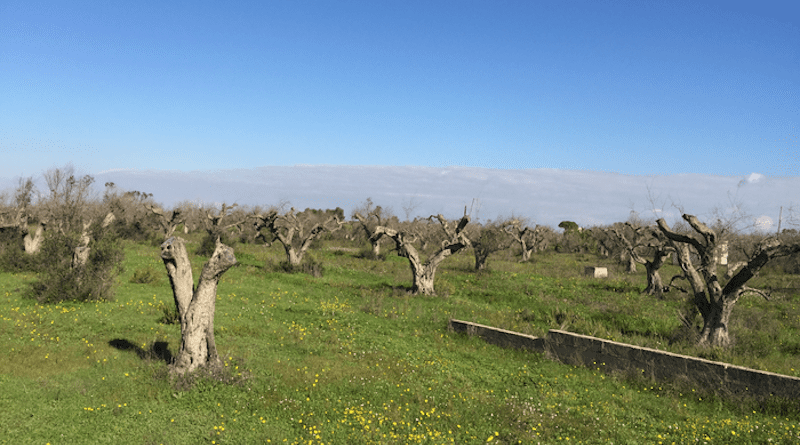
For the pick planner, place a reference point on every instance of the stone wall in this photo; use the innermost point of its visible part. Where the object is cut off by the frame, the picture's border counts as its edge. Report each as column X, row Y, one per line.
column 607, row 355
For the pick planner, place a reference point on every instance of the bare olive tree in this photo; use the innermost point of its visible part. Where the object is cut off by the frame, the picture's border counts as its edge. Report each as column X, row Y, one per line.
column 67, row 207
column 487, row 239
column 377, row 216
column 196, row 306
column 168, row 220
column 295, row 231
column 424, row 272
column 640, row 242
column 529, row 240
column 713, row 299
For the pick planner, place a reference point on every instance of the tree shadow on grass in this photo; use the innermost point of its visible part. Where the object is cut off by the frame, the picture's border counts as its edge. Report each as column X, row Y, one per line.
column 157, row 351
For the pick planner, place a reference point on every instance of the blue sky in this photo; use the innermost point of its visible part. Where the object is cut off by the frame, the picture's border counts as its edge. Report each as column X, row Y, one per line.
column 635, row 87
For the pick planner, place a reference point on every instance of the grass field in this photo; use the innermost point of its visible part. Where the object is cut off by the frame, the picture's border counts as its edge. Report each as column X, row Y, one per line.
column 351, row 358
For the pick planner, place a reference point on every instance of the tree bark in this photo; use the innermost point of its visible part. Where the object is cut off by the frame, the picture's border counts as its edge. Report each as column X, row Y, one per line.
column 196, row 306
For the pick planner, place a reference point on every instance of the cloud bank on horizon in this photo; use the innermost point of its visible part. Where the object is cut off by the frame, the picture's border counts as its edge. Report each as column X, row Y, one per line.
column 544, row 196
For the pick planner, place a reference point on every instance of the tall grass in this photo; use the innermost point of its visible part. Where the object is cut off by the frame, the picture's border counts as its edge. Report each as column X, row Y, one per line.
column 351, row 357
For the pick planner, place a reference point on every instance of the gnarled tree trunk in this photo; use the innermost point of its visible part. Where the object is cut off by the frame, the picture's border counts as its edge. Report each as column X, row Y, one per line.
column 423, row 273
column 196, row 306
column 655, row 285
column 713, row 301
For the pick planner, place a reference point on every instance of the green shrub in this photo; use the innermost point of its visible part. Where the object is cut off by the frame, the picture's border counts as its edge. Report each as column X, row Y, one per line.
column 147, row 275
column 13, row 257
column 60, row 281
column 209, row 243
column 169, row 314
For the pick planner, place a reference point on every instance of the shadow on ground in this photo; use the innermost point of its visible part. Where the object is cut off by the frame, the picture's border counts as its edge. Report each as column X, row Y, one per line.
column 157, row 351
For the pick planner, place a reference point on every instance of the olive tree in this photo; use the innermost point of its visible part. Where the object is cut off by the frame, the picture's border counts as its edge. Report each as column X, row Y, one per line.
column 80, row 257
column 487, row 239
column 424, row 272
column 713, row 299
column 196, row 305
column 296, row 231
column 375, row 217
column 529, row 240
column 640, row 242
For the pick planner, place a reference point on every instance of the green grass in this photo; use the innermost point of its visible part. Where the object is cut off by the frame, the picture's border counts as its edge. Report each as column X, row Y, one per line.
column 352, row 358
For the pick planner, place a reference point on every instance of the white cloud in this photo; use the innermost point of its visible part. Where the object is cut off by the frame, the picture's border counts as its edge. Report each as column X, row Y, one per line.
column 545, row 196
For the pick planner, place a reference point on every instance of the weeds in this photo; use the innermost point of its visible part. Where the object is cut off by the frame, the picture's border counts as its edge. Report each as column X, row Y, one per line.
column 351, row 358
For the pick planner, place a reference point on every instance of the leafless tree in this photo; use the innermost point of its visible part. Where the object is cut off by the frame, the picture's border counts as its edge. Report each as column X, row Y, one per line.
column 423, row 273
column 168, row 221
column 132, row 211
column 295, row 231
column 196, row 306
column 714, row 300
column 376, row 217
column 529, row 240
column 641, row 241
column 487, row 239
column 67, row 206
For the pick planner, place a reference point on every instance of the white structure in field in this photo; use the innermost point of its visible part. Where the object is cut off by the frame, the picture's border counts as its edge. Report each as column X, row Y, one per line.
column 596, row 272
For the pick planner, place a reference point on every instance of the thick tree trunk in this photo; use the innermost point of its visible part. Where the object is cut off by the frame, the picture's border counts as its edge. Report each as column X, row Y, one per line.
column 655, row 286
column 526, row 253
column 292, row 255
column 423, row 276
column 195, row 306
column 631, row 264
column 424, row 273
column 715, row 325
column 480, row 260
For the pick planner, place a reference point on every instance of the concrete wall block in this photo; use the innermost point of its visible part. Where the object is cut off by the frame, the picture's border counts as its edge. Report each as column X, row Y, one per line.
column 596, row 272
column 607, row 355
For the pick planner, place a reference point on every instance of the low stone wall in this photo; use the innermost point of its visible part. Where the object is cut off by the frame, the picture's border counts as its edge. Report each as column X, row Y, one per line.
column 499, row 337
column 607, row 355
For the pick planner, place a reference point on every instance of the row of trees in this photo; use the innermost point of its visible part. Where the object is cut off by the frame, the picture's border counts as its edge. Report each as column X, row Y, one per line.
column 68, row 234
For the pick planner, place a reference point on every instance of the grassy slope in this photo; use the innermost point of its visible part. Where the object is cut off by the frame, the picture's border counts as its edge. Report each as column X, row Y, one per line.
column 350, row 358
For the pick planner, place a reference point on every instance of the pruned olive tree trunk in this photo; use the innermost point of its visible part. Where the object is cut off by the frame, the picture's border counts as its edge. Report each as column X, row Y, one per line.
column 714, row 301
column 196, row 306
column 424, row 272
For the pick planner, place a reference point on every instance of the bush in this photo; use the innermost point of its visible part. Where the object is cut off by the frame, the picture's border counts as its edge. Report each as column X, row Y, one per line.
column 209, row 243
column 367, row 253
column 147, row 275
column 169, row 314
column 309, row 265
column 60, row 281
column 13, row 257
